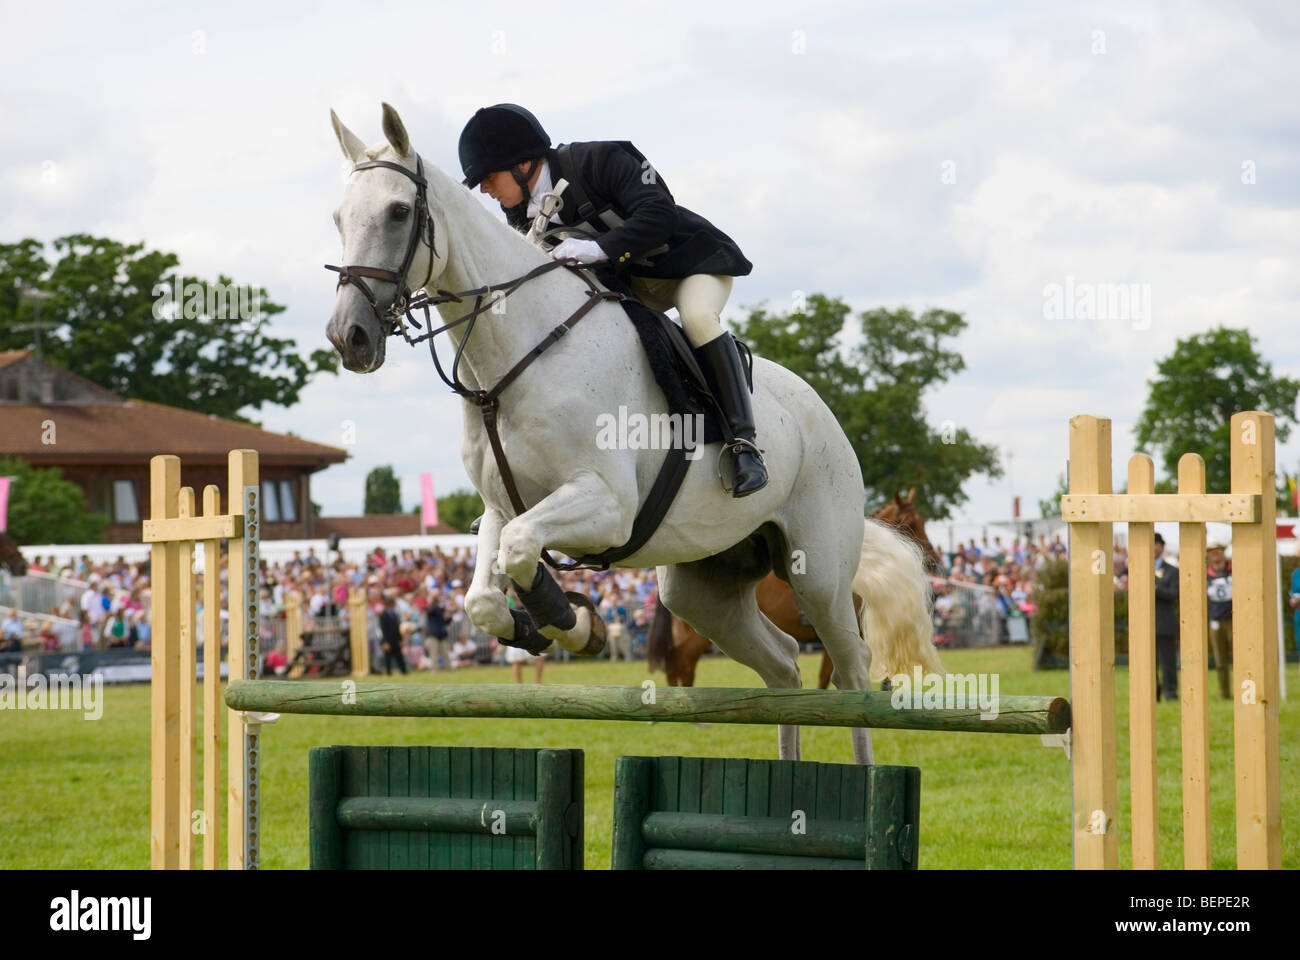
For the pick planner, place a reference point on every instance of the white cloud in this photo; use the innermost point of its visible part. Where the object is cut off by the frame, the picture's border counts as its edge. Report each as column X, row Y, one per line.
column 1118, row 167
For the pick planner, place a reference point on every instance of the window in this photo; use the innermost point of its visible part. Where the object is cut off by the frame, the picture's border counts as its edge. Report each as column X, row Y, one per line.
column 99, row 496
column 279, row 505
column 115, row 499
column 288, row 503
column 125, row 508
column 270, row 505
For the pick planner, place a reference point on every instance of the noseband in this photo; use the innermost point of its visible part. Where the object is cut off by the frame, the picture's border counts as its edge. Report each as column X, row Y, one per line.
column 353, row 274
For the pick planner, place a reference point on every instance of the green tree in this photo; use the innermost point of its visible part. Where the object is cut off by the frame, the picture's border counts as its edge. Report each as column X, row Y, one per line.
column 875, row 391
column 212, row 352
column 383, row 492
column 45, row 508
column 1196, row 390
column 459, row 508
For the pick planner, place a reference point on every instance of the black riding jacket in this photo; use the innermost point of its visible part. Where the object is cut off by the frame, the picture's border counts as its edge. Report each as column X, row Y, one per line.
column 657, row 238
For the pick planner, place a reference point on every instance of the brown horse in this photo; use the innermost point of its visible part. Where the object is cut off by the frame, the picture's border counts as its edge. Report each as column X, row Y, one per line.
column 675, row 647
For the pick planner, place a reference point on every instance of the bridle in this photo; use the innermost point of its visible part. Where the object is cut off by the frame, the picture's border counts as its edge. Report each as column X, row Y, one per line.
column 352, row 274
column 393, row 321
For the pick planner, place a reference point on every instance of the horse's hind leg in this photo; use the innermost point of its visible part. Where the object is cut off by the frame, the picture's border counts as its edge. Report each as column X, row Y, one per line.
column 724, row 609
column 824, row 589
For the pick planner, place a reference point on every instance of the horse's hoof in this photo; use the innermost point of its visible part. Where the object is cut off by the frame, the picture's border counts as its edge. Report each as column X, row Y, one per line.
column 596, row 639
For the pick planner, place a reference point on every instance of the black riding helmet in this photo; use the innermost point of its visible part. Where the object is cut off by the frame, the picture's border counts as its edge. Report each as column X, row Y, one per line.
column 497, row 138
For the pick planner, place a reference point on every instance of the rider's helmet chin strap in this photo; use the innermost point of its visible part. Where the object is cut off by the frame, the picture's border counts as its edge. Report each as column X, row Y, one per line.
column 517, row 216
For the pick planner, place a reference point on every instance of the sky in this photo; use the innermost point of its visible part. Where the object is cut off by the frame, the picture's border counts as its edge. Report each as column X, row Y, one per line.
column 981, row 158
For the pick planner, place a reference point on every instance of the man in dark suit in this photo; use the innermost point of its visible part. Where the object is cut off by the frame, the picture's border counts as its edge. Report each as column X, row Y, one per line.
column 391, row 630
column 1166, row 624
column 640, row 242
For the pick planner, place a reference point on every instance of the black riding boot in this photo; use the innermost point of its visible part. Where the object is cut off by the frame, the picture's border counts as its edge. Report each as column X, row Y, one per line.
column 720, row 360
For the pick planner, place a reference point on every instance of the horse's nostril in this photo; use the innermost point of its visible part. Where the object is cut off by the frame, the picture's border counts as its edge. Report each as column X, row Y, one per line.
column 357, row 337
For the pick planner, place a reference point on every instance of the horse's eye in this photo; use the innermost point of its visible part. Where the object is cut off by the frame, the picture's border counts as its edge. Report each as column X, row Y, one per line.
column 401, row 211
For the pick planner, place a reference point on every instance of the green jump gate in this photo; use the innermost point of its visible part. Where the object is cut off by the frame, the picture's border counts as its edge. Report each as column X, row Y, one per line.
column 445, row 808
column 693, row 813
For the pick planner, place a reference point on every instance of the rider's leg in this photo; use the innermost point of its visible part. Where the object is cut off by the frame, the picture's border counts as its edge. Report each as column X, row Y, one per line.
column 699, row 299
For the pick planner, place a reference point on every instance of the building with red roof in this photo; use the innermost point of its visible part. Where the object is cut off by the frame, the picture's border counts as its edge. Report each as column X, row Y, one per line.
column 51, row 417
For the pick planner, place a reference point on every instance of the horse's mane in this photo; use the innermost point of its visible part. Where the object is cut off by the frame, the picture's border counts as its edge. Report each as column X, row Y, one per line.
column 459, row 199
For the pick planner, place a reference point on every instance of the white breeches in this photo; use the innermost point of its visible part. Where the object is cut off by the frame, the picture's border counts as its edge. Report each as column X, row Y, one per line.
column 699, row 299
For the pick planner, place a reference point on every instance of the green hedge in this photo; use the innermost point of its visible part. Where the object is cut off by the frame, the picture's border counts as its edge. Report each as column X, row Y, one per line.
column 1050, row 625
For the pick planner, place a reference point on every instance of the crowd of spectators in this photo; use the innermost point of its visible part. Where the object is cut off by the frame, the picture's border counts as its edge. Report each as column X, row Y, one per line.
column 987, row 591
column 983, row 587
column 425, row 590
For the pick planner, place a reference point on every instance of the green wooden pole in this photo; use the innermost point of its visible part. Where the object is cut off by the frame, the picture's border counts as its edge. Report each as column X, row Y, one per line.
column 732, row 833
column 893, row 817
column 511, row 818
column 559, row 809
column 631, row 804
column 325, row 779
column 817, row 708
column 656, row 859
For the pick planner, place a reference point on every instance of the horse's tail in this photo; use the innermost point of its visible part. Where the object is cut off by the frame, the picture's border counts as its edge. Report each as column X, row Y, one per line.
column 896, row 597
column 659, row 642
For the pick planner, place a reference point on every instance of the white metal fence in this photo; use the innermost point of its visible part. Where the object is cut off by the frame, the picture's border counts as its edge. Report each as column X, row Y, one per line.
column 65, row 630
column 968, row 615
column 44, row 593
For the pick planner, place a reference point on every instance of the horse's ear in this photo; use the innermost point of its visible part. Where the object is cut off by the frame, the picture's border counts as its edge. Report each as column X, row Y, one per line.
column 352, row 146
column 395, row 132
column 898, row 499
column 911, row 497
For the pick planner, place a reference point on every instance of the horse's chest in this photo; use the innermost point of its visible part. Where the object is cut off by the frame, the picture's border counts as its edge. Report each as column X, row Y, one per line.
column 538, row 458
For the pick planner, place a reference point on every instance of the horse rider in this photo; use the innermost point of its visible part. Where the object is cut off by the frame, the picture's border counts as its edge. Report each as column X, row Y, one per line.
column 645, row 244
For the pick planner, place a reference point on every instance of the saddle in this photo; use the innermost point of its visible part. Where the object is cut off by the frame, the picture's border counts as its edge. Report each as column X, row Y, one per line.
column 677, row 371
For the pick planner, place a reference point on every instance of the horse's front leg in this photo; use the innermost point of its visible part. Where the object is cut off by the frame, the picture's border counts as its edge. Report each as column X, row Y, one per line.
column 485, row 601
column 583, row 511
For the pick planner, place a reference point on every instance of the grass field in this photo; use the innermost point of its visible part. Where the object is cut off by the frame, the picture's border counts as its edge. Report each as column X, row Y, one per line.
column 75, row 792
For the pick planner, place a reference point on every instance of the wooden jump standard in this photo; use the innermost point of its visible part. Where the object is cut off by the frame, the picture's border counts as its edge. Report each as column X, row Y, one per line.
column 179, row 812
column 1091, row 509
column 821, row 708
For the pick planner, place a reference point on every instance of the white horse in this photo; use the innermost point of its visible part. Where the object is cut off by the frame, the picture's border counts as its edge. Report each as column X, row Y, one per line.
column 710, row 549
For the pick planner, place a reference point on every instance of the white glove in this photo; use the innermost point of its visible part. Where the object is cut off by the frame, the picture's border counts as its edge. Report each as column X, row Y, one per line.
column 584, row 251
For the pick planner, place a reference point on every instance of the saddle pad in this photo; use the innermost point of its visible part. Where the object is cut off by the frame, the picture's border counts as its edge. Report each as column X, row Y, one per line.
column 675, row 368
